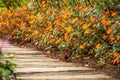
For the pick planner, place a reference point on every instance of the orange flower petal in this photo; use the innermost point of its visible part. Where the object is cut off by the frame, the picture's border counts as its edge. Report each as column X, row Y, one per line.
column 109, row 30
column 116, row 61
column 115, row 54
column 85, row 26
column 58, row 41
column 112, row 38
column 81, row 46
column 69, row 29
column 98, row 45
column 113, row 13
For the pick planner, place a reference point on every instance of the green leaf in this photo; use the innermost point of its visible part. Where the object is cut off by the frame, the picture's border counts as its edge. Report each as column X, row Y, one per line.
column 11, row 53
column 1, row 56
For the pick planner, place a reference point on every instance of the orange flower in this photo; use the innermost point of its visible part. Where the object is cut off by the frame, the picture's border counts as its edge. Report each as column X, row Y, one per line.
column 21, row 28
column 69, row 29
column 81, row 46
column 74, row 20
column 76, row 8
column 12, row 22
column 58, row 41
column 7, row 22
column 44, row 40
column 116, row 61
column 80, row 7
column 17, row 19
column 104, row 17
column 66, row 37
column 118, row 38
column 32, row 17
column 105, row 22
column 85, row 26
column 109, row 30
column 113, row 13
column 48, row 28
column 43, row 3
column 10, row 14
column 74, row 25
column 87, row 31
column 85, row 9
column 108, row 22
column 92, row 19
column 94, row 25
column 51, row 40
column 98, row 45
column 31, row 22
column 44, row 21
column 112, row 38
column 63, row 25
column 36, row 37
column 36, row 32
column 107, row 12
column 25, row 8
column 81, row 23
column 115, row 54
column 58, row 17
column 87, row 19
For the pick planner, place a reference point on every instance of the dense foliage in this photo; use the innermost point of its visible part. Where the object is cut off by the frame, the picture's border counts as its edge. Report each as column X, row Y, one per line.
column 67, row 26
column 10, row 3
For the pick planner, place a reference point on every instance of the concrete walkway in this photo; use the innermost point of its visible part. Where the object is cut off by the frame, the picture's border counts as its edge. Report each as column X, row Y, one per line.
column 33, row 65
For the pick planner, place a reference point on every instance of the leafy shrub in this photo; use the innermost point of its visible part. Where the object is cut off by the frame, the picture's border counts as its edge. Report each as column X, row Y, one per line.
column 106, row 4
column 80, row 29
column 12, row 3
column 17, row 23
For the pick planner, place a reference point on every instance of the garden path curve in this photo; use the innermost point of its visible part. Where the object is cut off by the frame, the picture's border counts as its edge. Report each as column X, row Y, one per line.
column 33, row 65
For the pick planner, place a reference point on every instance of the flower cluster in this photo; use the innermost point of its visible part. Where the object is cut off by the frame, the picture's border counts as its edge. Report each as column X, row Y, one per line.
column 81, row 29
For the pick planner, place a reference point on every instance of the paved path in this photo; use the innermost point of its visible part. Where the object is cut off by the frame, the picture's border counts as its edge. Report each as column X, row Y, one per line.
column 33, row 65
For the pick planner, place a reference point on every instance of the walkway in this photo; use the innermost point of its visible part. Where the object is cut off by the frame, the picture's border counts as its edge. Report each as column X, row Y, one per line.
column 33, row 65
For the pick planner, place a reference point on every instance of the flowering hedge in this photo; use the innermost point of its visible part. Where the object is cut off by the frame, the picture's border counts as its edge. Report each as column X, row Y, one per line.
column 81, row 29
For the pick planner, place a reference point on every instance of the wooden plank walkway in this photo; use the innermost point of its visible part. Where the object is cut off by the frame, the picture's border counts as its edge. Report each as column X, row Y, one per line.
column 33, row 65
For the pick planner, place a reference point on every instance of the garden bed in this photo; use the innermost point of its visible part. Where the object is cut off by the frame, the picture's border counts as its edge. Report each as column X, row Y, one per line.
column 69, row 30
